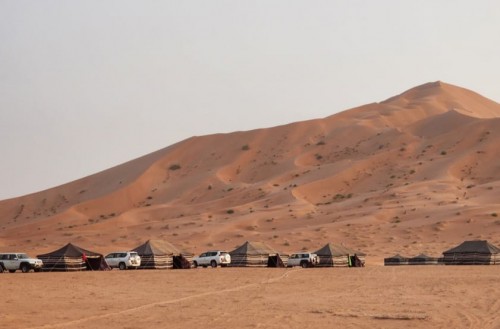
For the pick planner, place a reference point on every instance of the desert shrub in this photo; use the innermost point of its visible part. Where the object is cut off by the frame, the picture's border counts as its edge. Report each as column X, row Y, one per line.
column 174, row 167
column 230, row 211
column 245, row 147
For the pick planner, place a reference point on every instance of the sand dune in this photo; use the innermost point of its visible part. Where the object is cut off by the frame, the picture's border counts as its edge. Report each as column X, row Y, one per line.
column 415, row 173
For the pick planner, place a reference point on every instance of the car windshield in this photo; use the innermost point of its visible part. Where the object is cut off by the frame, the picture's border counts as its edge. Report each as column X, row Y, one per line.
column 22, row 256
column 133, row 254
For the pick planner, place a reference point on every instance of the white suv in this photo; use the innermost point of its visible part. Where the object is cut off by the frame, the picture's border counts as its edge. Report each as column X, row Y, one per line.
column 303, row 259
column 19, row 261
column 212, row 258
column 123, row 259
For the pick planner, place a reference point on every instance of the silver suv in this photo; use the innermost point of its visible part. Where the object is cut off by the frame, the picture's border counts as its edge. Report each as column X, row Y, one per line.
column 123, row 259
column 19, row 261
column 212, row 258
column 303, row 259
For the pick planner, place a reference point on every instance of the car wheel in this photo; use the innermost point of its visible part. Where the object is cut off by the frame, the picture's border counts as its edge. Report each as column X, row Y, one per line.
column 25, row 268
column 122, row 266
column 2, row 269
column 195, row 264
column 304, row 264
column 37, row 269
column 213, row 263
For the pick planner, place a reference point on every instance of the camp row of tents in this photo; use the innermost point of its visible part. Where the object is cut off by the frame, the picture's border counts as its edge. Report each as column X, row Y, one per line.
column 160, row 254
column 476, row 252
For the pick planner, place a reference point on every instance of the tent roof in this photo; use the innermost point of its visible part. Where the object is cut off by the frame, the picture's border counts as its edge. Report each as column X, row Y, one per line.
column 397, row 256
column 254, row 248
column 70, row 250
column 157, row 247
column 475, row 246
column 423, row 256
column 331, row 249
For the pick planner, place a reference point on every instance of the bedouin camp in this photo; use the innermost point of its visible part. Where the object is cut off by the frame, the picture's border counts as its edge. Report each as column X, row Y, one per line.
column 396, row 260
column 256, row 254
column 337, row 255
column 160, row 254
column 476, row 252
column 73, row 258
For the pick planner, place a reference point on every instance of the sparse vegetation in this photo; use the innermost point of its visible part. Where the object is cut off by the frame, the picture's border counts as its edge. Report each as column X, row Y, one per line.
column 230, row 211
column 245, row 147
column 174, row 167
column 443, row 153
column 494, row 214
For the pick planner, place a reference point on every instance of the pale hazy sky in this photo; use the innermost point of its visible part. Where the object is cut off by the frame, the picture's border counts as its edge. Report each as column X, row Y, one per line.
column 87, row 85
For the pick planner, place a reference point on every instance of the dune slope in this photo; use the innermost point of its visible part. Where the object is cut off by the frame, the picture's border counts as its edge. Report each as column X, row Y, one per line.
column 415, row 173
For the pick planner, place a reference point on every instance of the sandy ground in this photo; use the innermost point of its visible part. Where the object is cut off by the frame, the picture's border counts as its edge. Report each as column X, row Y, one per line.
column 370, row 297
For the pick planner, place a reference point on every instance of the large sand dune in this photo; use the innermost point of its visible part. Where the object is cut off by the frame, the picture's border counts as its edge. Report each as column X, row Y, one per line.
column 416, row 173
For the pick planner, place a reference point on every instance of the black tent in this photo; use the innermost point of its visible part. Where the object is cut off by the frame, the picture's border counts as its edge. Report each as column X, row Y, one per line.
column 423, row 259
column 73, row 258
column 396, row 260
column 256, row 254
column 476, row 252
column 336, row 255
column 159, row 254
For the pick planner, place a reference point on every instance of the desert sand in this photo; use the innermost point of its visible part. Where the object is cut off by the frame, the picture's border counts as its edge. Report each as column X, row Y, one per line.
column 370, row 297
column 416, row 173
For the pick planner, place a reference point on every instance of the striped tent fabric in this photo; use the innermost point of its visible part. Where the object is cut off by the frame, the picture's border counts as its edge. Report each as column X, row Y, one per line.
column 255, row 254
column 476, row 252
column 160, row 254
column 72, row 258
column 396, row 260
column 337, row 255
column 423, row 259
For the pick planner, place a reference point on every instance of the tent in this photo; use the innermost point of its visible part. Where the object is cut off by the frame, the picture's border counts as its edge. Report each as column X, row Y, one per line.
column 256, row 254
column 73, row 258
column 337, row 255
column 476, row 252
column 396, row 260
column 159, row 254
column 423, row 259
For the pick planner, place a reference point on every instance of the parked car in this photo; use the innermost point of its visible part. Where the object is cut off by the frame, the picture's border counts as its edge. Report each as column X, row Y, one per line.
column 19, row 261
column 212, row 258
column 123, row 259
column 303, row 259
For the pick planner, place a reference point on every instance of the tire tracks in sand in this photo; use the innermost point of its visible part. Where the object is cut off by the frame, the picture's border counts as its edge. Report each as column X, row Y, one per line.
column 71, row 323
